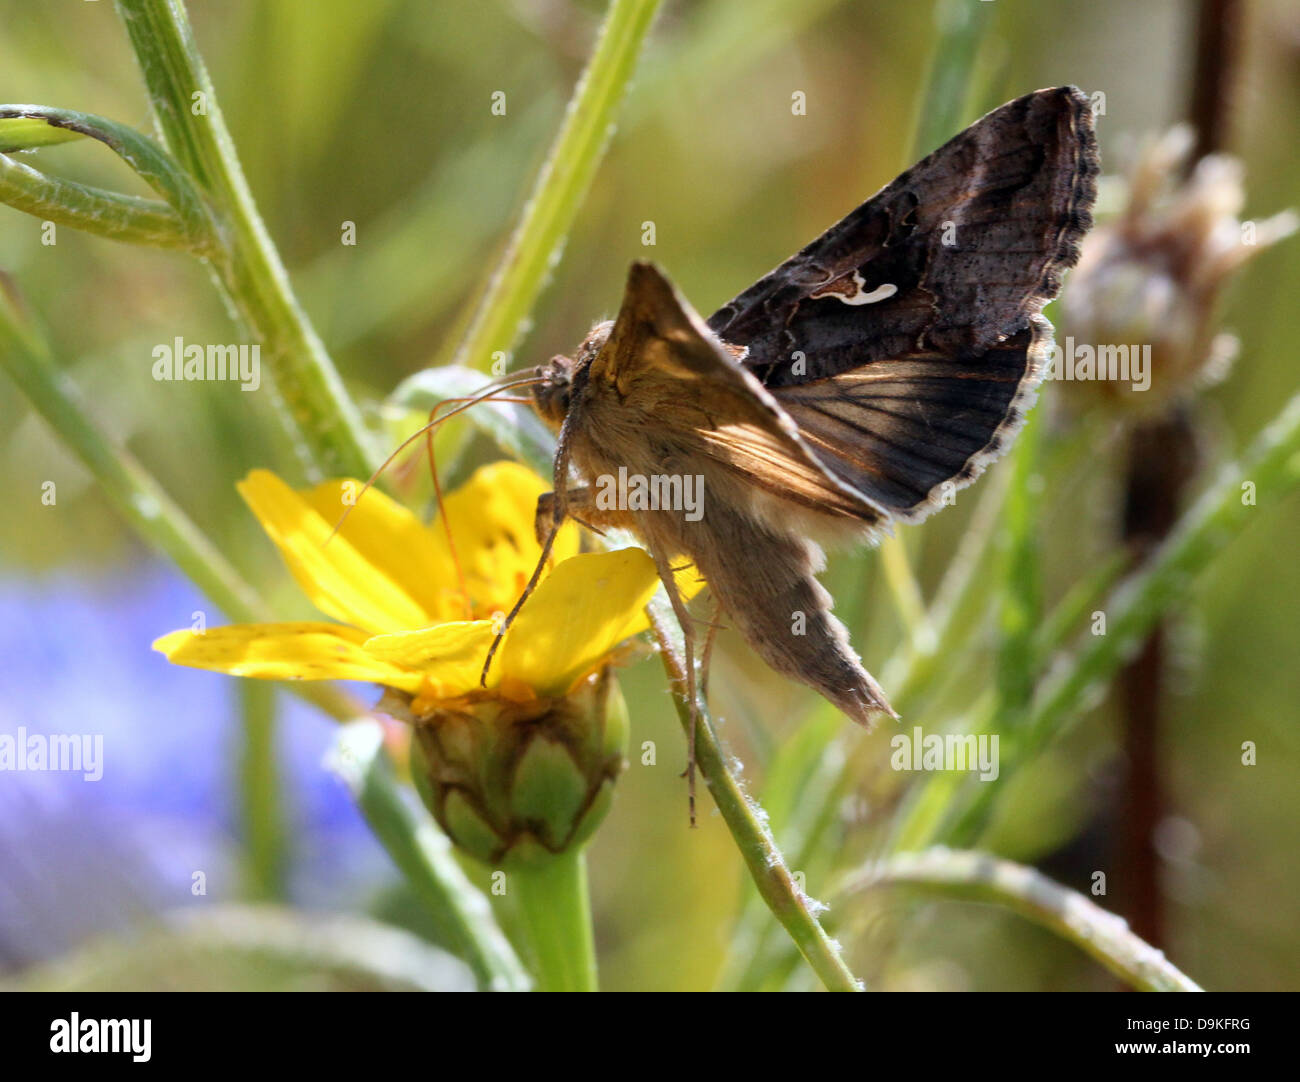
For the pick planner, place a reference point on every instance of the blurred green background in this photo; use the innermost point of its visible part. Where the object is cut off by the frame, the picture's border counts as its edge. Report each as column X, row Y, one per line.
column 378, row 113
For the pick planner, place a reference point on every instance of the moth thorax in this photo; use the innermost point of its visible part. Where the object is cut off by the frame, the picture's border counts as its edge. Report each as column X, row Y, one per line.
column 594, row 342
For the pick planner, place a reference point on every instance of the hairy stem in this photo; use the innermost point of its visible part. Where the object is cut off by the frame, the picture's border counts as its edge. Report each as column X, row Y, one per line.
column 757, row 847
column 555, row 905
column 246, row 262
column 535, row 245
column 979, row 877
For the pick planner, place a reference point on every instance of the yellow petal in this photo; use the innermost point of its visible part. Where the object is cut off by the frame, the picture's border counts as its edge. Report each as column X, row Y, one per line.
column 388, row 535
column 584, row 608
column 450, row 656
column 689, row 582
column 491, row 518
column 297, row 651
column 688, row 579
column 338, row 578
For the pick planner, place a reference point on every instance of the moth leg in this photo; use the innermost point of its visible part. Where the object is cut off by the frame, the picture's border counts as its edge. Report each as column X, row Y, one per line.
column 706, row 655
column 578, row 505
column 546, row 524
column 688, row 643
column 528, row 591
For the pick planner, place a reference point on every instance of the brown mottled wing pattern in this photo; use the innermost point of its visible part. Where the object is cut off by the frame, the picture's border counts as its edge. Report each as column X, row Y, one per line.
column 661, row 355
column 906, row 341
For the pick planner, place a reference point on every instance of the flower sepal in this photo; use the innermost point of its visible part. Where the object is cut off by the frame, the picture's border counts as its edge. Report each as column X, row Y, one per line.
column 514, row 784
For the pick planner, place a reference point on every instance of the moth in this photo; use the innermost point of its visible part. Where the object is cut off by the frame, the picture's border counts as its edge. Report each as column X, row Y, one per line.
column 893, row 357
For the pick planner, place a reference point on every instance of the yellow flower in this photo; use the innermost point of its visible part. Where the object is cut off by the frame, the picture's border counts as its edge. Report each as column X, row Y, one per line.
column 390, row 582
column 516, row 771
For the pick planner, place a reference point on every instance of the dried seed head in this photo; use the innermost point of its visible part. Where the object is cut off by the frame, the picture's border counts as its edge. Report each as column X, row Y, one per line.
column 1148, row 282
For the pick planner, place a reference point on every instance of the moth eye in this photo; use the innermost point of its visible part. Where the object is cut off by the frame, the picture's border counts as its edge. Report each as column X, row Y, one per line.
column 552, row 396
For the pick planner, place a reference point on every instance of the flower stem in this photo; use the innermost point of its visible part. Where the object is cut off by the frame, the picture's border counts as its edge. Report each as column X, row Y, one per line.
column 980, row 877
column 555, row 905
column 246, row 262
column 776, row 885
column 504, row 309
column 262, row 822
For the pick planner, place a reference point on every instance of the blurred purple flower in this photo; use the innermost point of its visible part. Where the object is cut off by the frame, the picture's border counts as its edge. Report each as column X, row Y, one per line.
column 80, row 857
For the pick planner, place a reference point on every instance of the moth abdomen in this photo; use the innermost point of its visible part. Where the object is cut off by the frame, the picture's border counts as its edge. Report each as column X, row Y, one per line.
column 765, row 581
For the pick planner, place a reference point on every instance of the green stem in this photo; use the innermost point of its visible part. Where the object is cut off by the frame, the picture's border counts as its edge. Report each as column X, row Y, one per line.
column 961, row 27
column 554, row 903
column 979, row 877
column 776, row 886
column 133, row 491
column 906, row 592
column 1019, row 608
column 246, row 263
column 273, row 945
column 959, row 603
column 1272, row 465
column 755, row 955
column 25, row 355
column 503, row 311
column 391, row 285
column 266, row 852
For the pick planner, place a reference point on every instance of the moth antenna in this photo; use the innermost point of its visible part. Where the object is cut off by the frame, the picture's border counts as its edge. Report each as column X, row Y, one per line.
column 490, row 390
column 442, row 515
column 437, row 495
column 587, row 525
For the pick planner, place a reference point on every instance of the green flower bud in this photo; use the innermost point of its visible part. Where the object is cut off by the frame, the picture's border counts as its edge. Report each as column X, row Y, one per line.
column 515, row 783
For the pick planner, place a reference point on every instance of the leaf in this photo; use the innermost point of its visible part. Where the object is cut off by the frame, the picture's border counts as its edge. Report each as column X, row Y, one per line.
column 92, row 210
column 517, row 430
column 980, row 877
column 29, row 133
column 83, row 205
